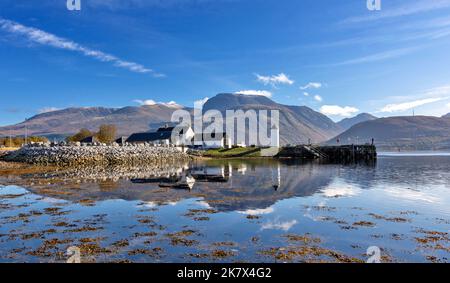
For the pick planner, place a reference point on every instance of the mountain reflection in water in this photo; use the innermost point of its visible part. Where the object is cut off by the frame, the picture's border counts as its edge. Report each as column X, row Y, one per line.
column 253, row 210
column 226, row 185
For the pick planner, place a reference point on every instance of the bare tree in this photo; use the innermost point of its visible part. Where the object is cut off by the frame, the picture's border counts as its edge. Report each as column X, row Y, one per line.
column 107, row 133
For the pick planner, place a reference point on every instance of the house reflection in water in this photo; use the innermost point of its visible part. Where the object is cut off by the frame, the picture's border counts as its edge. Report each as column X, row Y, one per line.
column 187, row 178
column 225, row 185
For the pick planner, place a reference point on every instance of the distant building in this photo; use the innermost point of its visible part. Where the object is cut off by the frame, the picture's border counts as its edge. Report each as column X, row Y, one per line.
column 156, row 138
column 91, row 139
column 121, row 140
column 163, row 136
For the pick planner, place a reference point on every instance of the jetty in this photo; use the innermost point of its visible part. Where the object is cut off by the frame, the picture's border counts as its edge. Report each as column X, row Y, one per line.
column 332, row 154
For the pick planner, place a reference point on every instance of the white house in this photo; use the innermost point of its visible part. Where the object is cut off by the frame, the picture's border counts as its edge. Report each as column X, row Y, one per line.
column 165, row 136
column 211, row 141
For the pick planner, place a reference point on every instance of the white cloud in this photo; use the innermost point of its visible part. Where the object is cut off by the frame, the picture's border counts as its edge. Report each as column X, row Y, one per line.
column 311, row 85
column 336, row 110
column 278, row 225
column 448, row 105
column 48, row 109
column 257, row 211
column 255, row 92
column 390, row 108
column 274, row 80
column 150, row 102
column 171, row 104
column 145, row 102
column 305, row 93
column 318, row 98
column 44, row 38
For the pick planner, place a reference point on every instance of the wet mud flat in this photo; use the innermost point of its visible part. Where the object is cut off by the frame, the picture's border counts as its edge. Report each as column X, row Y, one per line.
column 316, row 215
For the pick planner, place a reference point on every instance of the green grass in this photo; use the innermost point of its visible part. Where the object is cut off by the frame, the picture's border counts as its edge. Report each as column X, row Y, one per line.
column 234, row 152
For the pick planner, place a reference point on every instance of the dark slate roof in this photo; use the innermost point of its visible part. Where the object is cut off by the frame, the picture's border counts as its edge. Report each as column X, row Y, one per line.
column 149, row 137
column 182, row 129
column 165, row 129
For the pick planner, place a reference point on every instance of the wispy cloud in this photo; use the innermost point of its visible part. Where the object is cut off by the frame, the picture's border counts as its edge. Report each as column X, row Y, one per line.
column 399, row 107
column 44, row 38
column 335, row 110
column 255, row 92
column 275, row 79
column 311, row 85
column 411, row 8
column 129, row 4
column 381, row 56
column 406, row 102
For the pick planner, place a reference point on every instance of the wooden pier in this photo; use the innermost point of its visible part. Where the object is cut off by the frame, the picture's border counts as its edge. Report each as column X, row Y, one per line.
column 333, row 154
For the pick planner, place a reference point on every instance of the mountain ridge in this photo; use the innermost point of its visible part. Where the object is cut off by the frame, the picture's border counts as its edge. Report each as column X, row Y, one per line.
column 298, row 124
column 401, row 133
column 347, row 123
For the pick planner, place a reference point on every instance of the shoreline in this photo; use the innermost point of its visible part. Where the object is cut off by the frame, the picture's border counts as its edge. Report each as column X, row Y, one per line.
column 98, row 154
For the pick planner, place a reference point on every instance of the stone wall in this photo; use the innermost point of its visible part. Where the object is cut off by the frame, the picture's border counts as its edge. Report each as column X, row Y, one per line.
column 99, row 154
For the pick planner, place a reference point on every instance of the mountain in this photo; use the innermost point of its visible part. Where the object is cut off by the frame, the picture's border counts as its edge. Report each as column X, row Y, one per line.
column 347, row 123
column 298, row 124
column 405, row 133
column 69, row 121
column 446, row 116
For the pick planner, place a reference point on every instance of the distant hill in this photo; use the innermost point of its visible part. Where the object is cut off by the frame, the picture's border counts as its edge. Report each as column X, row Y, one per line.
column 68, row 121
column 298, row 124
column 405, row 133
column 347, row 123
column 446, row 116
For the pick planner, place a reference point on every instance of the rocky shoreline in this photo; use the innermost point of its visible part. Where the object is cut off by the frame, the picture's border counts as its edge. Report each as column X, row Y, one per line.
column 94, row 154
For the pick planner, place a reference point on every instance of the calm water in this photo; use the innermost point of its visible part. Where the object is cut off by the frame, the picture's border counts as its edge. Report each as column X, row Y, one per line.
column 230, row 211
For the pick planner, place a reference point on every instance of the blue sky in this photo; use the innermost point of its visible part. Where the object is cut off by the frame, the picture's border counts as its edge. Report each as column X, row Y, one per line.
column 336, row 57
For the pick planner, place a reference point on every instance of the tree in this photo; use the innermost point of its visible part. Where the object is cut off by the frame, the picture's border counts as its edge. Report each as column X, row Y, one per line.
column 107, row 133
column 81, row 135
